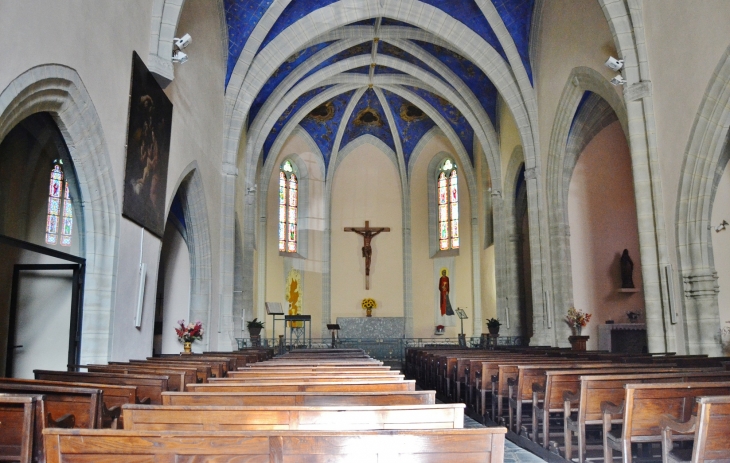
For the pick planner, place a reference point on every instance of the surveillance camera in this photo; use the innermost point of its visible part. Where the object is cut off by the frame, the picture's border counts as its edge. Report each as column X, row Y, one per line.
column 618, row 80
column 614, row 64
column 183, row 42
column 722, row 226
column 179, row 57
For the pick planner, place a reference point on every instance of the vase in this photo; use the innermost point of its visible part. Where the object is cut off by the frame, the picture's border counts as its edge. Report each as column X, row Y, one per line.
column 368, row 312
column 188, row 346
column 493, row 330
column 577, row 330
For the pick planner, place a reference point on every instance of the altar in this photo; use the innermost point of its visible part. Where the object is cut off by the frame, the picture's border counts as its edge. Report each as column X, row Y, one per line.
column 371, row 327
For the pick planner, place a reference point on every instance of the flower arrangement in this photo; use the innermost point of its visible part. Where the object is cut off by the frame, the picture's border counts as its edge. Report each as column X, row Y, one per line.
column 190, row 332
column 577, row 319
column 440, row 329
column 369, row 303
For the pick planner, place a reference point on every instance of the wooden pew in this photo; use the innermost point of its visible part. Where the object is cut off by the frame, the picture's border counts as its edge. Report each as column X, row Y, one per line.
column 149, row 387
column 293, row 386
column 548, row 398
column 231, row 362
column 113, row 397
column 21, row 424
column 601, row 388
column 283, row 374
column 125, row 392
column 314, row 399
column 307, row 378
column 483, row 445
column 643, row 407
column 63, row 406
column 710, row 433
column 177, row 377
column 260, row 418
column 205, row 370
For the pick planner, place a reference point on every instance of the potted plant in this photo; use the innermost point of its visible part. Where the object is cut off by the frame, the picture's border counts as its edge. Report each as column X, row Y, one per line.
column 369, row 304
column 187, row 334
column 254, row 327
column 493, row 325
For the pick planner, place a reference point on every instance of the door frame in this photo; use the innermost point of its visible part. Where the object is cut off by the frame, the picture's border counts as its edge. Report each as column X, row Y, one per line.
column 78, row 267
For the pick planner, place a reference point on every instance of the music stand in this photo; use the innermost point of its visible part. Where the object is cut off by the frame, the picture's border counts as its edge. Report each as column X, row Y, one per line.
column 462, row 316
column 274, row 309
column 334, row 328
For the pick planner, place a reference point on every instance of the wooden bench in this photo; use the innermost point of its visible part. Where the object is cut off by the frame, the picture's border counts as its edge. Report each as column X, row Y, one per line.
column 231, row 362
column 315, row 399
column 177, row 377
column 710, row 436
column 118, row 389
column 205, row 370
column 253, row 418
column 483, row 445
column 643, row 407
column 547, row 398
column 113, row 397
column 63, row 406
column 149, row 387
column 308, row 378
column 310, row 372
column 21, row 424
column 601, row 388
column 361, row 386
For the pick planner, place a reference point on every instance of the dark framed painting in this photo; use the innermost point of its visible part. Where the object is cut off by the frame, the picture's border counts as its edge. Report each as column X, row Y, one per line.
column 148, row 150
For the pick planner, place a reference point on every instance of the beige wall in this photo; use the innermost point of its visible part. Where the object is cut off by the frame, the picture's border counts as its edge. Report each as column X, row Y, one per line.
column 100, row 51
column 425, row 289
column 311, row 220
column 602, row 218
column 366, row 186
column 176, row 290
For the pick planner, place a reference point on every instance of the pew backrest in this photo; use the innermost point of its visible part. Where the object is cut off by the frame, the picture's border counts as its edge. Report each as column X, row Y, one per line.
column 362, row 386
column 316, row 399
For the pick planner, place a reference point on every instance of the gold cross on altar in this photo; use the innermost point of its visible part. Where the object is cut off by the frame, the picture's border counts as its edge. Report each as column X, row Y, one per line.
column 367, row 234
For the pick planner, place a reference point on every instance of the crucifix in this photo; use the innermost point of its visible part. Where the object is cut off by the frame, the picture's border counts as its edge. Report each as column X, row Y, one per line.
column 367, row 234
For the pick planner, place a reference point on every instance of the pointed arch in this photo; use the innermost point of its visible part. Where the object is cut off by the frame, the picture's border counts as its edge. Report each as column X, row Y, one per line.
column 59, row 91
column 706, row 158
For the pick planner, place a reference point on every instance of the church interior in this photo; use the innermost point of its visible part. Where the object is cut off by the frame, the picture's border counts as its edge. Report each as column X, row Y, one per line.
column 375, row 181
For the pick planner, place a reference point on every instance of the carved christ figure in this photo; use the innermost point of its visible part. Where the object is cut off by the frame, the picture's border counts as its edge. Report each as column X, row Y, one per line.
column 367, row 234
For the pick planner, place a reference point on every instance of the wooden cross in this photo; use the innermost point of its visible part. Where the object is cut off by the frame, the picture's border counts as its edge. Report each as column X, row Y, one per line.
column 367, row 234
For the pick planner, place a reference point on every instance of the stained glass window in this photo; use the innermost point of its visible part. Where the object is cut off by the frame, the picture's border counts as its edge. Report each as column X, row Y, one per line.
column 448, row 206
column 60, row 208
column 288, row 208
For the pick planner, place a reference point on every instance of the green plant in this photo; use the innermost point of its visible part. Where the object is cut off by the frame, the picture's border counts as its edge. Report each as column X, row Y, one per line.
column 254, row 324
column 493, row 323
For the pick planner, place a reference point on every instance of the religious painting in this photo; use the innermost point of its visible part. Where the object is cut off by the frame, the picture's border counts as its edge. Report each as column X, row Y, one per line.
column 148, row 150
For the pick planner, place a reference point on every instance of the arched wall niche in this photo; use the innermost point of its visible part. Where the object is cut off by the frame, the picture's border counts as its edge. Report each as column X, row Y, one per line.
column 573, row 128
column 59, row 91
column 189, row 188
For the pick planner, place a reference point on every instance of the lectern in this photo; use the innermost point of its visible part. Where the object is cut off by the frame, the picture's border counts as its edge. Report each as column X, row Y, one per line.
column 334, row 328
column 298, row 336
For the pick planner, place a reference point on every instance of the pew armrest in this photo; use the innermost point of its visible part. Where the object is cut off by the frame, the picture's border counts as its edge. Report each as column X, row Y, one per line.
column 609, row 408
column 668, row 422
column 110, row 416
column 144, row 401
column 571, row 397
column 67, row 421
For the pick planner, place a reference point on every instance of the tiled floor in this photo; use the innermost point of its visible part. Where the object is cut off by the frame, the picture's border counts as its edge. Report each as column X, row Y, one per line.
column 512, row 453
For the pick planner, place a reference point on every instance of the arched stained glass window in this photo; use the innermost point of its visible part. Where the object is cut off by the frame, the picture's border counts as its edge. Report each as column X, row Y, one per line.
column 288, row 208
column 60, row 208
column 448, row 206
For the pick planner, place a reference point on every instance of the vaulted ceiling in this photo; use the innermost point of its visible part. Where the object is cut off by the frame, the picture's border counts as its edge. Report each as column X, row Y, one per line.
column 379, row 76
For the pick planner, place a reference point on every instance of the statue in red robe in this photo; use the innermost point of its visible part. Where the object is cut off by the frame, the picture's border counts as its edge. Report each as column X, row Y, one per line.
column 444, row 290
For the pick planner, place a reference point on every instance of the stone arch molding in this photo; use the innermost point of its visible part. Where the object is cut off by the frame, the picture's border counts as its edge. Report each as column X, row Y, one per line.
column 705, row 160
column 192, row 197
column 625, row 20
column 570, row 134
column 58, row 90
column 165, row 17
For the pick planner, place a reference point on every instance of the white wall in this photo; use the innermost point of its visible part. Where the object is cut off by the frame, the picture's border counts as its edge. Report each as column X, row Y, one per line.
column 176, row 294
column 721, row 251
column 96, row 39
